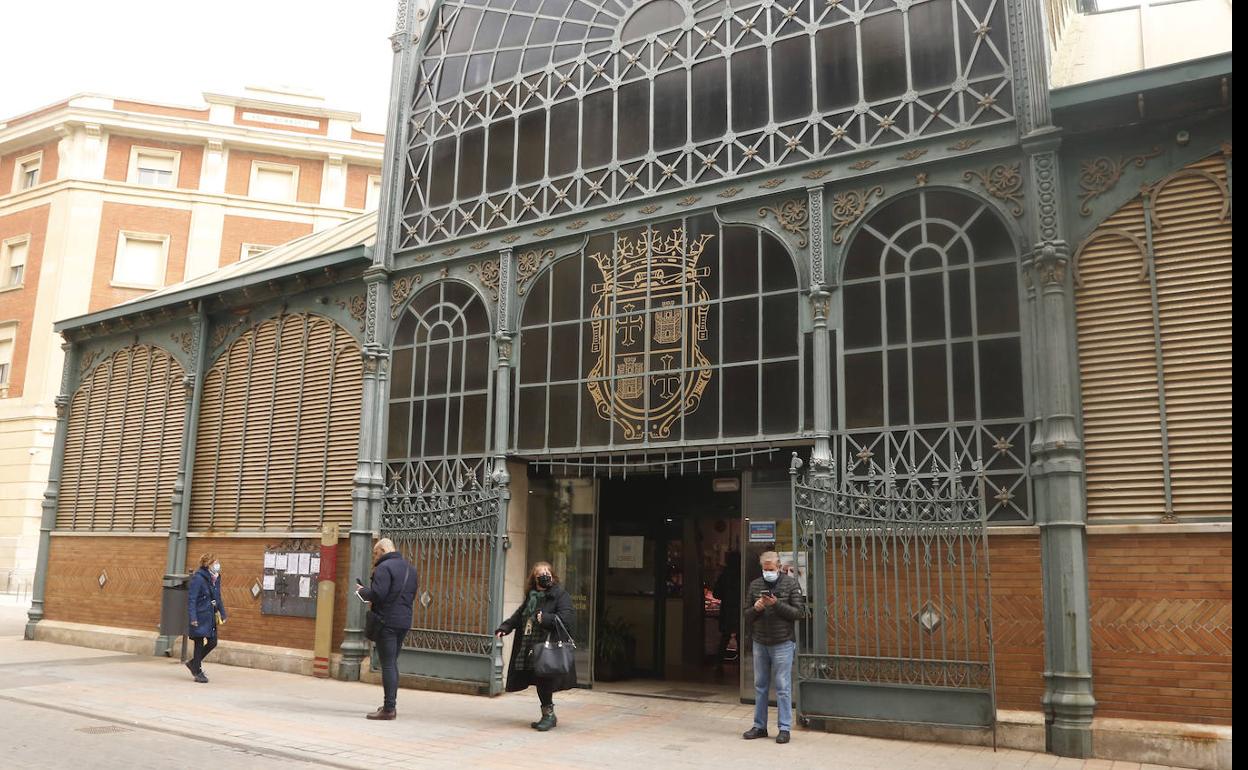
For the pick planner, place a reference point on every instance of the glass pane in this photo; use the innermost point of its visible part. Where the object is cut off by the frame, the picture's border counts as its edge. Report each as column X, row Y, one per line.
column 898, row 388
column 563, row 406
column 702, row 420
column 960, row 303
column 669, row 110
column 740, row 335
column 531, row 158
column 989, row 239
column 780, row 325
column 471, row 163
column 927, row 309
column 996, row 299
column 476, row 418
column 418, row 423
column 884, row 55
column 862, row 260
column 442, row 182
column 565, row 300
column 780, row 397
column 836, row 51
column 537, row 301
column 864, row 391
column 435, row 427
column 564, row 130
column 533, row 355
column 740, row 249
column 477, row 366
column 498, row 167
column 633, row 139
column 808, row 381
column 742, row 383
column 396, row 437
column 532, row 408
column 401, row 373
column 862, row 315
column 778, row 272
column 790, row 78
column 710, row 99
column 439, row 367
column 895, row 299
column 963, row 381
column 749, row 89
column 595, row 429
column 1000, row 379
column 597, row 120
column 931, row 392
column 564, row 365
column 420, row 358
column 932, row 60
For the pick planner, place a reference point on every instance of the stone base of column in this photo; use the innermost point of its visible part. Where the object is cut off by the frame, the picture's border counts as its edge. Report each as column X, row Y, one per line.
column 32, row 619
column 353, row 656
column 1068, row 725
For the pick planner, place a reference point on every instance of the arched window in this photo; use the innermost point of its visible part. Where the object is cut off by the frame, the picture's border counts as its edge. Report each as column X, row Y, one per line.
column 439, row 384
column 932, row 375
column 523, row 110
column 636, row 339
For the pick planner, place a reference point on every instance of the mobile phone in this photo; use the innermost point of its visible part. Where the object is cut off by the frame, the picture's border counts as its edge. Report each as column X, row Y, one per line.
column 765, row 592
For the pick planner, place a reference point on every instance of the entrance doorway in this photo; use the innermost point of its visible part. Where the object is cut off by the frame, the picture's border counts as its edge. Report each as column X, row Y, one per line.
column 669, row 580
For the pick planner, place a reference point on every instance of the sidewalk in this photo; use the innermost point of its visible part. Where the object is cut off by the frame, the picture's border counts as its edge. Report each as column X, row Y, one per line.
column 322, row 721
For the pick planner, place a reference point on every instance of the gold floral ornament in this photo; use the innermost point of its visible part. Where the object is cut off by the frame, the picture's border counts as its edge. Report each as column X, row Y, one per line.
column 1003, row 182
column 400, row 291
column 848, row 207
column 1100, row 175
column 489, row 274
column 793, row 217
column 527, row 266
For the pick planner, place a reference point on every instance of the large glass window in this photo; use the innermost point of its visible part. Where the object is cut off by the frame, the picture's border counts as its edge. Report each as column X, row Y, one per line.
column 684, row 332
column 570, row 118
column 933, row 369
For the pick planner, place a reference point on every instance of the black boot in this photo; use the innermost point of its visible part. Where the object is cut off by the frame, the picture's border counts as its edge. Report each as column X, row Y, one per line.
column 548, row 720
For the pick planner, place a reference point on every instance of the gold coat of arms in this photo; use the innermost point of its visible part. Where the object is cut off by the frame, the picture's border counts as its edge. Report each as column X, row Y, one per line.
column 648, row 319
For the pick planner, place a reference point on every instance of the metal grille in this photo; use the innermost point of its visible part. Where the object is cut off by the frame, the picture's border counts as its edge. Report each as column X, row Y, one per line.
column 900, row 596
column 932, row 374
column 1153, row 310
column 123, row 444
column 521, row 112
column 270, row 452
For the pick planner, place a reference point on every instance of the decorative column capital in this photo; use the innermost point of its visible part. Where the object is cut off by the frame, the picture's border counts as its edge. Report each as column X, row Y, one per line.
column 1047, row 266
column 504, row 340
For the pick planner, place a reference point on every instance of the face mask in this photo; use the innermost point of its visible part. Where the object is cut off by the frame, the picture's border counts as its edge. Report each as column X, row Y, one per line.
column 216, row 568
column 771, row 575
column 544, row 581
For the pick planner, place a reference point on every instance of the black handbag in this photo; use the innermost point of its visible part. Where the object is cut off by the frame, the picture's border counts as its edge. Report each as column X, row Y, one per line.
column 556, row 658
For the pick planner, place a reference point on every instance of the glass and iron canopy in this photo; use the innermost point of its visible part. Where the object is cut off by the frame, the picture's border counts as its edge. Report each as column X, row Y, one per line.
column 526, row 109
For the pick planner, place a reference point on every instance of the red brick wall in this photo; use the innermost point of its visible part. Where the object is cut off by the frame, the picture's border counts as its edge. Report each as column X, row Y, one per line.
column 1018, row 620
column 19, row 304
column 242, row 563
column 238, row 174
column 117, row 162
column 130, row 597
column 357, row 185
column 115, row 217
column 1161, row 626
column 268, row 232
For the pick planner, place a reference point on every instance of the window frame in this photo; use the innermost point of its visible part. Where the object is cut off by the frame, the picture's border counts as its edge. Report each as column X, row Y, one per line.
column 8, row 333
column 246, row 247
column 136, row 151
column 264, row 165
column 122, row 237
column 6, row 256
column 374, row 180
column 21, row 168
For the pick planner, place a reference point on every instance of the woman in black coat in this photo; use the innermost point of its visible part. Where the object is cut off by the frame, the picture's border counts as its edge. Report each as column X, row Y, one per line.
column 204, row 606
column 546, row 612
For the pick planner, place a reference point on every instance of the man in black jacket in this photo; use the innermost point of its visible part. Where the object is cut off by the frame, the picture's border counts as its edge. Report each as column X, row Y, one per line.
column 773, row 602
column 392, row 593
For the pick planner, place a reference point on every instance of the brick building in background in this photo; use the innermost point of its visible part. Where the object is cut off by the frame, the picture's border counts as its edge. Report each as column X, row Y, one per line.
column 104, row 199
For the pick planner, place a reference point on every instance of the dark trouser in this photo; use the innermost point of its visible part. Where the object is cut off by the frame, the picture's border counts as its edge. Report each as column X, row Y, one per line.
column 203, row 646
column 388, row 650
column 545, row 694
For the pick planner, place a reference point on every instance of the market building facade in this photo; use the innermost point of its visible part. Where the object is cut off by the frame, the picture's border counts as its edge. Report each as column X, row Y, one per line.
column 664, row 285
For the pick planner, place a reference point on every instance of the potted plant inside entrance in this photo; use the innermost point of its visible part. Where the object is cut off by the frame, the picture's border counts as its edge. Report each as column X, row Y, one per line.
column 615, row 650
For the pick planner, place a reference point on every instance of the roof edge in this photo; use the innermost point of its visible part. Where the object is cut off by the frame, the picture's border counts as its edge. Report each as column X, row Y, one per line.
column 1142, row 80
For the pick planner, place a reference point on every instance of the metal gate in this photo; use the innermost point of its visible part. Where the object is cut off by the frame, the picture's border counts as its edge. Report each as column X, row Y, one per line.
column 901, row 611
column 449, row 520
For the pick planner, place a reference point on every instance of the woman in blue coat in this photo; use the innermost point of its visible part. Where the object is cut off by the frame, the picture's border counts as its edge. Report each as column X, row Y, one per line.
column 204, row 606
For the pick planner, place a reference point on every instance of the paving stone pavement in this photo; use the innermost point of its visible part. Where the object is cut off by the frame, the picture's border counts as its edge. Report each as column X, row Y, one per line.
column 275, row 718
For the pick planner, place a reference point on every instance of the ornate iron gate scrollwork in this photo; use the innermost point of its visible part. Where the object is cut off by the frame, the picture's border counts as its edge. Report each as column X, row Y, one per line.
column 901, row 624
column 450, row 523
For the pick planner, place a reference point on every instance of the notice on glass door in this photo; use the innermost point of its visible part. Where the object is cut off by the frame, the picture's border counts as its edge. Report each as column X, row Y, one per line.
column 626, row 552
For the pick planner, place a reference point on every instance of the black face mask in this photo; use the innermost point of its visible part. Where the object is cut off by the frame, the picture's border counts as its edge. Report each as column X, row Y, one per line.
column 544, row 581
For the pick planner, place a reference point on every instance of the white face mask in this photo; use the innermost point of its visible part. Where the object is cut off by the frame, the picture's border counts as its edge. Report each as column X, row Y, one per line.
column 216, row 568
column 771, row 575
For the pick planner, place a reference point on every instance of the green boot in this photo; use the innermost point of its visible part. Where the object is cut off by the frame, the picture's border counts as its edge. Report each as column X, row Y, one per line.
column 548, row 720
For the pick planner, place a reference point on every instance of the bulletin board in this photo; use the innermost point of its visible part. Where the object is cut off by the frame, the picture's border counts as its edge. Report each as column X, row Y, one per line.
column 291, row 573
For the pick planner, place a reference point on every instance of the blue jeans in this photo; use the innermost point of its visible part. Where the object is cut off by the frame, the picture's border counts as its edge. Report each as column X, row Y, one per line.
column 773, row 663
column 388, row 651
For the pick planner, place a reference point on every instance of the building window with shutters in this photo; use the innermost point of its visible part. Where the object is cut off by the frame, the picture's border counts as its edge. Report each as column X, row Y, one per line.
column 372, row 196
column 274, row 182
column 278, row 430
column 154, row 168
column 27, row 170
column 123, row 444
column 141, row 260
column 13, row 253
column 8, row 336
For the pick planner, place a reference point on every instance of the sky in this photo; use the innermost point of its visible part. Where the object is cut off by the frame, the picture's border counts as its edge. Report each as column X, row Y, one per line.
column 174, row 50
